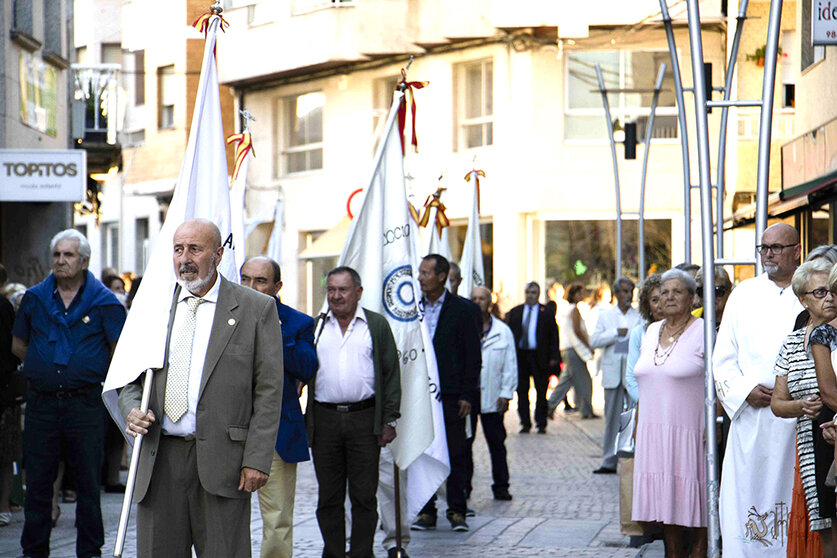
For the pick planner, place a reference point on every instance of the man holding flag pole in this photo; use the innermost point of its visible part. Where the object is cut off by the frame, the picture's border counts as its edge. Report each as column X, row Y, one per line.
column 211, row 392
column 389, row 268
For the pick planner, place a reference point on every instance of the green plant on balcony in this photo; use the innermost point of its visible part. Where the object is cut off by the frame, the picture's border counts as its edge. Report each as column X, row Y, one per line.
column 758, row 55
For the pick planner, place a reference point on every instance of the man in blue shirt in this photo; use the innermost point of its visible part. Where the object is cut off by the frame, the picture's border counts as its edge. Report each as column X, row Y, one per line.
column 276, row 498
column 65, row 333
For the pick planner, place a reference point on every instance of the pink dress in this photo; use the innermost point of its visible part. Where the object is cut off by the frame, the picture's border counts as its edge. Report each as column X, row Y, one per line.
column 669, row 466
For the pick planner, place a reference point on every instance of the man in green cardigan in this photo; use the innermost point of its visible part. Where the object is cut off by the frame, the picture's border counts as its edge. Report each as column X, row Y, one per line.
column 353, row 404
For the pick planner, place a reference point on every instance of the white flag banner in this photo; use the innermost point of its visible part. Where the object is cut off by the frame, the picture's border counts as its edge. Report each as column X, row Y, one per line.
column 202, row 190
column 439, row 244
column 237, row 193
column 473, row 272
column 382, row 246
column 274, row 245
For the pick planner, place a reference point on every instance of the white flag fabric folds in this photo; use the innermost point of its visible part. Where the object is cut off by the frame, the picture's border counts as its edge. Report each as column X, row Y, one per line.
column 473, row 272
column 274, row 245
column 202, row 190
column 382, row 246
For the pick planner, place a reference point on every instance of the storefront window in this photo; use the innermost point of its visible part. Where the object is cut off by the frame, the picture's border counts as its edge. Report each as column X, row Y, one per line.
column 585, row 251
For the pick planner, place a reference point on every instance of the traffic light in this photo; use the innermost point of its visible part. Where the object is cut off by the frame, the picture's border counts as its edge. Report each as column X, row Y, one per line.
column 630, row 140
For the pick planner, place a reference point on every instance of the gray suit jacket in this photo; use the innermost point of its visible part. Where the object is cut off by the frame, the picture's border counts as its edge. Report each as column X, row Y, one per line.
column 240, row 396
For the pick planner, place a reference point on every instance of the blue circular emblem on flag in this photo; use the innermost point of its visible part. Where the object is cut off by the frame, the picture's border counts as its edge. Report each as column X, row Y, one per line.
column 398, row 295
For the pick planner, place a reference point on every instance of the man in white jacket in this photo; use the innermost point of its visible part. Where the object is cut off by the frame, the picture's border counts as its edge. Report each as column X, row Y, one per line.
column 611, row 334
column 498, row 382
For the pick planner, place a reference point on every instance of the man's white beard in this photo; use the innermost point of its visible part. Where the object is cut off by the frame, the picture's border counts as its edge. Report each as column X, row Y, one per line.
column 198, row 284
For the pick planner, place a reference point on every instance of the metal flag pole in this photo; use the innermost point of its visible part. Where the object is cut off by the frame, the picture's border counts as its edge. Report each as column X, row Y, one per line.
column 766, row 122
column 707, row 227
column 132, row 471
column 722, row 135
column 606, row 103
column 684, row 131
column 396, row 475
column 657, row 86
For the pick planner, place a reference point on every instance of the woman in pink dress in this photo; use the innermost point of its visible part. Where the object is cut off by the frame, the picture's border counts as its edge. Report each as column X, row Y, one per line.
column 669, row 470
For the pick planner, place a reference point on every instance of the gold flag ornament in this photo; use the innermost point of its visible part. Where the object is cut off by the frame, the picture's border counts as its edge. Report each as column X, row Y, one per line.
column 434, row 200
column 245, row 146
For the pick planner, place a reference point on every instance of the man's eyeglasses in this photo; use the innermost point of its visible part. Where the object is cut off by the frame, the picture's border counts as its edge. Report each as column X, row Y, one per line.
column 820, row 292
column 774, row 249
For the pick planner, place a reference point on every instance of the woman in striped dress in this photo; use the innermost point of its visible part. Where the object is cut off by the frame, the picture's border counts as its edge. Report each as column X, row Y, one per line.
column 796, row 394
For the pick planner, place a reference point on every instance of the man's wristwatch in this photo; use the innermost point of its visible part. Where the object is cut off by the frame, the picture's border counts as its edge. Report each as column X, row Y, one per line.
column 392, row 423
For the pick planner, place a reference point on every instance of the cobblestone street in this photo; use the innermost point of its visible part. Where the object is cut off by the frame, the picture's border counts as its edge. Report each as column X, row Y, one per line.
column 559, row 507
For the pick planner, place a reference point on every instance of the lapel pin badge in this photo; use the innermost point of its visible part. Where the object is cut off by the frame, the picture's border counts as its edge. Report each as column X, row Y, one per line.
column 231, row 321
column 86, row 319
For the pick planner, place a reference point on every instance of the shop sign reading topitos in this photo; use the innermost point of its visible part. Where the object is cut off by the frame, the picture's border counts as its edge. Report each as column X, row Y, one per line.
column 42, row 175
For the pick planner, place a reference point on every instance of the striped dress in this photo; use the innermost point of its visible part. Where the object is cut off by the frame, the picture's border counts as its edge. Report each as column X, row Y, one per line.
column 797, row 364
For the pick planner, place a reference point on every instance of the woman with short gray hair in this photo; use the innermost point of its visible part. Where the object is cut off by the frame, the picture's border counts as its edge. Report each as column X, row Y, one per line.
column 669, row 469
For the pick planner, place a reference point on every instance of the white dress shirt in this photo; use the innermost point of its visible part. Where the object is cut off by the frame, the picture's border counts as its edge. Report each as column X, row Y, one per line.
column 347, row 371
column 203, row 327
column 432, row 311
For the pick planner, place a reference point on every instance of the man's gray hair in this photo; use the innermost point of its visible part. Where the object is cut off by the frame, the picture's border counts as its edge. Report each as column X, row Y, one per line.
column 71, row 234
column 684, row 277
column 803, row 274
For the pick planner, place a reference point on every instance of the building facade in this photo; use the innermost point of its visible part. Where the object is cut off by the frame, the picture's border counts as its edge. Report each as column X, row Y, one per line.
column 512, row 90
column 35, row 37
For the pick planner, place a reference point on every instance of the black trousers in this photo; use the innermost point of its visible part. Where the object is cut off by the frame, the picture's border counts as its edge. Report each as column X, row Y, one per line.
column 458, row 450
column 69, row 428
column 345, row 449
column 495, row 437
column 527, row 367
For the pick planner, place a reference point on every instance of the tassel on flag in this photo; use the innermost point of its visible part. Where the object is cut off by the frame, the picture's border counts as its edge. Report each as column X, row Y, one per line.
column 390, row 287
column 202, row 190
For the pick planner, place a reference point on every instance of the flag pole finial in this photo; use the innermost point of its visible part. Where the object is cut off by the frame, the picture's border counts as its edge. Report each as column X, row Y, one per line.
column 216, row 8
column 248, row 117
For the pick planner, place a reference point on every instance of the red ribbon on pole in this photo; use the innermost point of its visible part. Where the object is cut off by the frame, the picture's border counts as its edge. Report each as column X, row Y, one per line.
column 402, row 110
column 202, row 23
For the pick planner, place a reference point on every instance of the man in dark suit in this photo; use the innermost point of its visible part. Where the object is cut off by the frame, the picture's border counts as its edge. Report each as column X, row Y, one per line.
column 218, row 399
column 536, row 338
column 353, row 405
column 456, row 342
column 276, row 498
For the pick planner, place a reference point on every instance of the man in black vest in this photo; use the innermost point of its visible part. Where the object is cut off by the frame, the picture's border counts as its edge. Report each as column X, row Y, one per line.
column 536, row 338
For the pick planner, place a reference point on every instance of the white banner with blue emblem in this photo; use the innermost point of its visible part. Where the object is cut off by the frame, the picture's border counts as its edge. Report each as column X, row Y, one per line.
column 383, row 247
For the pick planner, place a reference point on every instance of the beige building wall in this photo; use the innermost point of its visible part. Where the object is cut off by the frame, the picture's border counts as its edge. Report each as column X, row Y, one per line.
column 534, row 175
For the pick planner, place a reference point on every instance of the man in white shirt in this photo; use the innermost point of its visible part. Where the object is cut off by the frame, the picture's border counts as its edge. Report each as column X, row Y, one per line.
column 757, row 477
column 611, row 334
column 353, row 403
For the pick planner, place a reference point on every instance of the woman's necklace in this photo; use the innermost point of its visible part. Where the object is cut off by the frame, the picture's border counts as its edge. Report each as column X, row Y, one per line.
column 661, row 354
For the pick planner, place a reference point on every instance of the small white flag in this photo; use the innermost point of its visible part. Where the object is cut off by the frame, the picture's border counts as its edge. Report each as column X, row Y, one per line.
column 473, row 272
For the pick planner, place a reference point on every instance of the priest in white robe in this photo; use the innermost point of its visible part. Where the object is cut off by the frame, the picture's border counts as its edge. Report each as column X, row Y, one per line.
column 757, row 478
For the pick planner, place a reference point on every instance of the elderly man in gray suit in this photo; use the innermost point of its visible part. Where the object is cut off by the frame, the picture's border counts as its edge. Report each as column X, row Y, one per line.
column 217, row 402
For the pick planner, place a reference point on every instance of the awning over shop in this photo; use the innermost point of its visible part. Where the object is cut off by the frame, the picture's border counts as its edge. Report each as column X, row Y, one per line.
column 789, row 201
column 330, row 243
